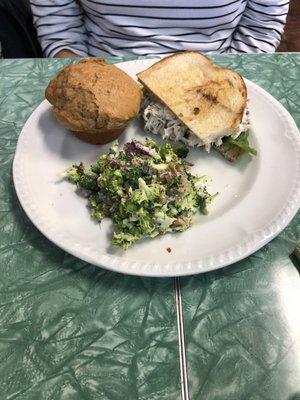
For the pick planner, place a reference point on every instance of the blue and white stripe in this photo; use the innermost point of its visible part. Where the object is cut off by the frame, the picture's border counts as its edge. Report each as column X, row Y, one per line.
column 140, row 27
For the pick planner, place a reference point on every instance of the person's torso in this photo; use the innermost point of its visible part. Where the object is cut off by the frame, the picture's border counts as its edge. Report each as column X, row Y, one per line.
column 159, row 26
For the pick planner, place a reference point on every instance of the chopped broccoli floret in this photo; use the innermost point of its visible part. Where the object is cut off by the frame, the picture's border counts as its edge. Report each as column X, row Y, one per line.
column 181, row 151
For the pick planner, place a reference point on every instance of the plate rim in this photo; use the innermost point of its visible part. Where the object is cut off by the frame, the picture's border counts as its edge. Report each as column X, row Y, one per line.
column 116, row 264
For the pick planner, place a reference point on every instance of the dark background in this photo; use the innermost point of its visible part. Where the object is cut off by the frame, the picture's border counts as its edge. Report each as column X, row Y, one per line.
column 291, row 37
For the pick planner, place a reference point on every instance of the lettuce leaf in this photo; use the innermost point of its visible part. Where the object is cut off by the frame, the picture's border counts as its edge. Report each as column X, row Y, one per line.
column 243, row 143
column 232, row 149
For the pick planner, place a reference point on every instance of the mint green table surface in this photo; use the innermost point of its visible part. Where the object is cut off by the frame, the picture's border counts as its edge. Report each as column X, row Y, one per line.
column 69, row 330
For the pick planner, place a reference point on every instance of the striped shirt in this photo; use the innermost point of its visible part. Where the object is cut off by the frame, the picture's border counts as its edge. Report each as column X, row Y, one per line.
column 141, row 27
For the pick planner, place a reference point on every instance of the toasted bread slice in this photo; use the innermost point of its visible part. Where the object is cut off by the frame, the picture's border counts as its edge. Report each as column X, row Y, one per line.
column 208, row 99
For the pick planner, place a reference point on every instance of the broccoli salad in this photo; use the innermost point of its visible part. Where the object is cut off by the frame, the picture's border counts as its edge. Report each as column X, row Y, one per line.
column 146, row 189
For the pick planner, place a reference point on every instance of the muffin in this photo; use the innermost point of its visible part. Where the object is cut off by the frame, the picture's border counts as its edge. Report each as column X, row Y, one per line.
column 94, row 100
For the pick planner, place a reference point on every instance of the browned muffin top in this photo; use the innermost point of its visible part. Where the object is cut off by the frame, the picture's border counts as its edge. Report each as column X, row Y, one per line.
column 94, row 96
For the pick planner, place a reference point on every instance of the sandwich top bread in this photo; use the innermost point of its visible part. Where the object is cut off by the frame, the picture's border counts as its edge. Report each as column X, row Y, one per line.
column 208, row 102
column 93, row 99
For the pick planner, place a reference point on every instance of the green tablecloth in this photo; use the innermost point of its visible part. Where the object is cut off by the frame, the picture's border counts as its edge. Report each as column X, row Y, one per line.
column 69, row 330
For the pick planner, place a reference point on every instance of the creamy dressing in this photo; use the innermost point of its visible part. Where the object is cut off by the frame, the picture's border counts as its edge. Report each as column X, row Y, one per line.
column 159, row 120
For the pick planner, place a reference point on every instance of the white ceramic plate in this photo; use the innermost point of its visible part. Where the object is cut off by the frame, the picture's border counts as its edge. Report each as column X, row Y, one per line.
column 258, row 197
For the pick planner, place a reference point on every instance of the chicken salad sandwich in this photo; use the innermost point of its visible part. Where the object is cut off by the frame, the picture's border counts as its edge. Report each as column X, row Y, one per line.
column 187, row 98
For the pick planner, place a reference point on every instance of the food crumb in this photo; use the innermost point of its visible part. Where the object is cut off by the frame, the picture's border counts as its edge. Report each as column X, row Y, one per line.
column 169, row 249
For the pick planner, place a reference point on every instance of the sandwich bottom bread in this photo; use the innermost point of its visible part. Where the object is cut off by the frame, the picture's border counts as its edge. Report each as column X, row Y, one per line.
column 189, row 99
column 94, row 100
